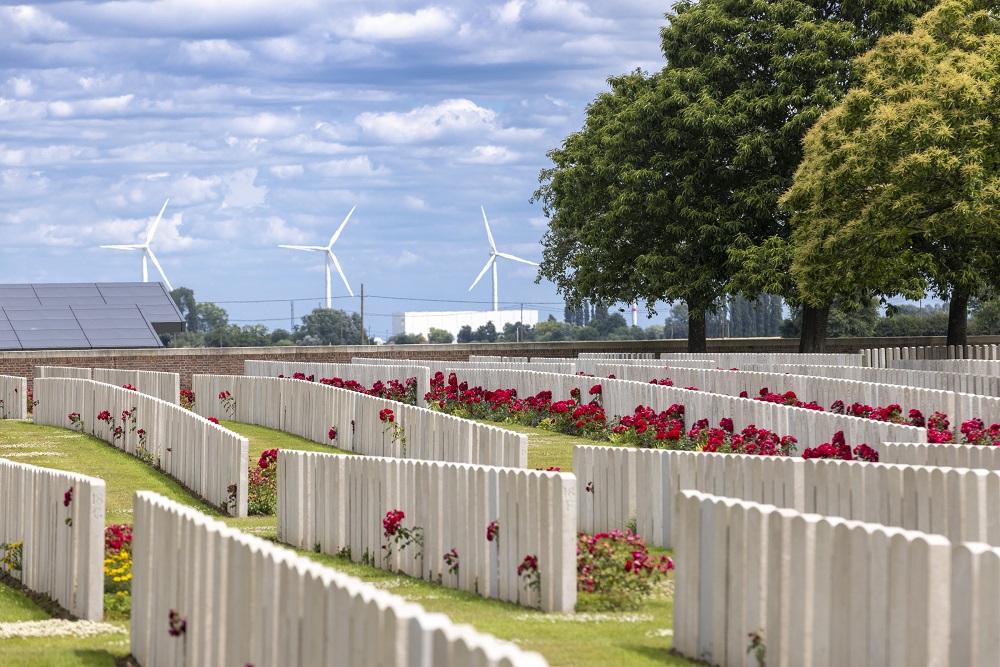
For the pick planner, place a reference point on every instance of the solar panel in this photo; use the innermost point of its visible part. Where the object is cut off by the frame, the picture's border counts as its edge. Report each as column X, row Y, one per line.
column 53, row 327
column 8, row 339
column 86, row 315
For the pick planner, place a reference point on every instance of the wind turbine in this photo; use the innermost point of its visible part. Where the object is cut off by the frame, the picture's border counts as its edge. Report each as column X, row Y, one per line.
column 492, row 261
column 330, row 257
column 146, row 250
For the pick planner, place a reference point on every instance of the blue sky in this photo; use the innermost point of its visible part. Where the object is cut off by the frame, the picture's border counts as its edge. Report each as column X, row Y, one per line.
column 265, row 121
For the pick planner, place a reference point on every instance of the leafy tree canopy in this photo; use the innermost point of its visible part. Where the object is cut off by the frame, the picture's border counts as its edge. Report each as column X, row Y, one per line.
column 686, row 165
column 899, row 188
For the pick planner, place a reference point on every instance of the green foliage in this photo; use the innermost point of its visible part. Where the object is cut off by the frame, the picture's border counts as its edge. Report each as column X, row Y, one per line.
column 407, row 339
column 329, row 326
column 687, row 164
column 440, row 336
column 899, row 187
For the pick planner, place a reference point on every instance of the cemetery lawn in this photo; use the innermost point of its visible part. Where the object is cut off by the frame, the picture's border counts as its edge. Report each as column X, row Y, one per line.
column 641, row 637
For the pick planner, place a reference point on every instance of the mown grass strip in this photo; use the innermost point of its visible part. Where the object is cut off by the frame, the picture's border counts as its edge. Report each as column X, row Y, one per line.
column 636, row 638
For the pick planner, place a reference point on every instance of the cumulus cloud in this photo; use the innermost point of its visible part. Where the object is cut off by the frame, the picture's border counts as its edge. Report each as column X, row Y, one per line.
column 241, row 191
column 214, row 52
column 287, row 171
column 489, row 155
column 407, row 258
column 20, row 86
column 415, row 203
column 509, row 13
column 357, row 166
column 428, row 123
column 101, row 106
column 278, row 231
column 31, row 23
column 264, row 124
column 424, row 24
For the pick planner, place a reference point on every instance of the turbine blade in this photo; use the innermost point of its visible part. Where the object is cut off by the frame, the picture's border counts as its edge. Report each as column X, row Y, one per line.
column 123, row 247
column 482, row 273
column 341, row 272
column 152, row 230
column 516, row 259
column 336, row 234
column 160, row 269
column 488, row 232
column 302, row 247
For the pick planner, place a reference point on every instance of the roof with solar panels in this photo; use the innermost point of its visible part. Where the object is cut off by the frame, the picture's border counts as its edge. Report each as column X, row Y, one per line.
column 84, row 316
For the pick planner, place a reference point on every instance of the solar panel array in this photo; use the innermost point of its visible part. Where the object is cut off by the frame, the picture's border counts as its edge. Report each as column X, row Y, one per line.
column 72, row 316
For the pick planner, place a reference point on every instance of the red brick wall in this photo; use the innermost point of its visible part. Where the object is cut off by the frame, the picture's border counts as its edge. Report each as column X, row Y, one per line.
column 229, row 360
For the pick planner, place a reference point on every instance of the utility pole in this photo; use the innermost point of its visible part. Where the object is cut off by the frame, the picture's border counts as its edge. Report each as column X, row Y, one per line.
column 519, row 323
column 362, row 313
column 291, row 321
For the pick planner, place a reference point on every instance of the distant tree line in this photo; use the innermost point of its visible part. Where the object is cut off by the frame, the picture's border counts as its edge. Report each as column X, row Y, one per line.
column 208, row 326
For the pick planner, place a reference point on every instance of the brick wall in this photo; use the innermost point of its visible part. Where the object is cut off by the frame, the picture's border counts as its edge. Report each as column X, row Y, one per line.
column 229, row 360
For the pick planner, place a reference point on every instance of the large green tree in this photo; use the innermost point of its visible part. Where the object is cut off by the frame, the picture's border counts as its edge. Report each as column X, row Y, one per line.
column 328, row 326
column 671, row 187
column 900, row 183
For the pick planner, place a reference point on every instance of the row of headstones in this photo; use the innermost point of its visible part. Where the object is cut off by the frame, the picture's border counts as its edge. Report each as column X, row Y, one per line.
column 207, row 594
column 731, row 359
column 888, row 357
column 541, row 365
column 762, row 583
column 617, row 484
column 365, row 374
column 621, row 397
column 958, row 406
column 310, row 410
column 165, row 386
column 58, row 517
column 205, row 457
column 13, row 397
column 965, row 383
column 809, row 427
column 338, row 503
column 974, row 366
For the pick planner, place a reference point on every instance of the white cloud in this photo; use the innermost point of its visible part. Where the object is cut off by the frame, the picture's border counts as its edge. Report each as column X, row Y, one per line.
column 489, row 155
column 293, row 50
column 20, row 110
column 424, row 24
column 509, row 13
column 287, row 171
column 264, row 124
column 241, row 192
column 538, row 222
column 42, row 155
column 28, row 22
column 214, row 52
column 20, row 86
column 357, row 166
column 415, row 203
column 188, row 190
column 407, row 258
column 427, row 123
column 101, row 106
column 278, row 232
column 18, row 182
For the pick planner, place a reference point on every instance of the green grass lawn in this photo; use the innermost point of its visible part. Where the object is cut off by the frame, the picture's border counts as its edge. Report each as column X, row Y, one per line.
column 639, row 638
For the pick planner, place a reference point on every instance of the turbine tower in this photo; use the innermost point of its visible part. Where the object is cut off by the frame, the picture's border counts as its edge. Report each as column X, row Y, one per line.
column 146, row 250
column 492, row 261
column 330, row 257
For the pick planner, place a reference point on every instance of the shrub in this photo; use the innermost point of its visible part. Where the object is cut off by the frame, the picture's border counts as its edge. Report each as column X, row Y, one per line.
column 615, row 570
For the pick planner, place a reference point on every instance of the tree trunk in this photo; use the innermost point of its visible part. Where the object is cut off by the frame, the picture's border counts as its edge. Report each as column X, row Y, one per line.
column 696, row 329
column 814, row 322
column 958, row 317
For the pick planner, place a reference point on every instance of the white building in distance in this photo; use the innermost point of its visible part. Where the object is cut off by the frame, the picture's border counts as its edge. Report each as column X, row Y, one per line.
column 421, row 323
